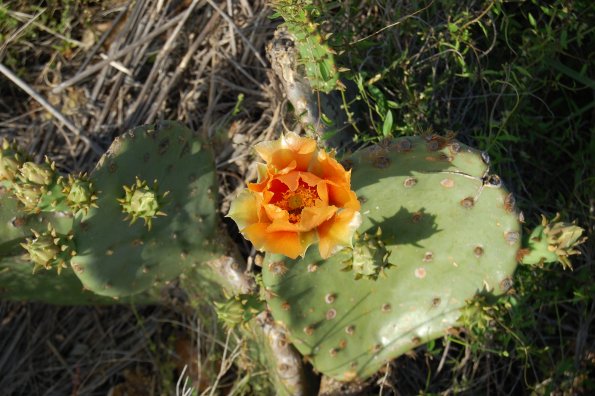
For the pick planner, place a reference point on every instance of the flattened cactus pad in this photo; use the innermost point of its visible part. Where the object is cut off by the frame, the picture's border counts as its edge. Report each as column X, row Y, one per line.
column 452, row 233
column 116, row 258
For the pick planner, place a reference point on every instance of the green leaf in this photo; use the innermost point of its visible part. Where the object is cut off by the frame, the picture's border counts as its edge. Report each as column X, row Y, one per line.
column 532, row 21
column 387, row 127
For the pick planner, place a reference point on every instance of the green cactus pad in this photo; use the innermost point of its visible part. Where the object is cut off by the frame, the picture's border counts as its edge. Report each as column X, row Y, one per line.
column 116, row 258
column 16, row 224
column 17, row 281
column 451, row 231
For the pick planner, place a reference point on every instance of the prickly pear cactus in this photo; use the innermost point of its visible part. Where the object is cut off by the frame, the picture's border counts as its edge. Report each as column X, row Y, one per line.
column 163, row 175
column 17, row 281
column 451, row 231
column 16, row 224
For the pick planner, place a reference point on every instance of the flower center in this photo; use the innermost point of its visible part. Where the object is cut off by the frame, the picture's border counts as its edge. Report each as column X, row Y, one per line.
column 294, row 202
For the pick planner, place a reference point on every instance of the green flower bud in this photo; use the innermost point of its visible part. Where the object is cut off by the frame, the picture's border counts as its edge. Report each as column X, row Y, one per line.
column 142, row 201
column 369, row 257
column 41, row 174
column 10, row 161
column 238, row 310
column 29, row 194
column 48, row 249
column 553, row 241
column 80, row 193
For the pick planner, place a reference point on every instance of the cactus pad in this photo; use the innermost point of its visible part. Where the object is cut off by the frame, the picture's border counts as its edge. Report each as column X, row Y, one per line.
column 451, row 231
column 116, row 258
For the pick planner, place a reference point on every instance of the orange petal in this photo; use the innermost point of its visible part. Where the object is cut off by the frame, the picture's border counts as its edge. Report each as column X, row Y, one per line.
column 342, row 196
column 326, row 167
column 263, row 178
column 310, row 178
column 338, row 232
column 290, row 244
column 322, row 191
column 313, row 216
column 291, row 147
column 244, row 209
column 291, row 179
column 275, row 213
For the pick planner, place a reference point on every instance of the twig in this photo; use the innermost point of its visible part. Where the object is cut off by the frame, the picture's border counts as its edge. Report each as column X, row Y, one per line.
column 51, row 109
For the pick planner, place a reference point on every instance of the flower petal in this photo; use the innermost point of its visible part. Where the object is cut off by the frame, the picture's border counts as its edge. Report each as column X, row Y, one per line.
column 291, row 179
column 338, row 232
column 313, row 216
column 245, row 208
column 290, row 244
column 326, row 167
column 280, row 153
column 342, row 196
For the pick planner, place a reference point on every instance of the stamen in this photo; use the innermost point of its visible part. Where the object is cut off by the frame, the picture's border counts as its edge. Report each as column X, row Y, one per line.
column 294, row 202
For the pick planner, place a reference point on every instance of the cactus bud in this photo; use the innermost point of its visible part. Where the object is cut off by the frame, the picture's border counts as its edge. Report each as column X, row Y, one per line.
column 369, row 257
column 49, row 249
column 238, row 310
column 142, row 201
column 80, row 193
column 29, row 194
column 10, row 161
column 42, row 174
column 553, row 241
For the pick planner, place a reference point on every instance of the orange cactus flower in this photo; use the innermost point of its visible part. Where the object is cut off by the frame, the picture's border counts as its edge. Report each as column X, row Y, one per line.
column 302, row 196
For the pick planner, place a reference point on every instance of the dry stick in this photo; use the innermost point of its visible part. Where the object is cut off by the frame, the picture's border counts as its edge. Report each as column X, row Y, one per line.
column 100, row 65
column 181, row 67
column 137, row 108
column 211, row 97
column 232, row 39
column 51, row 109
column 239, row 32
